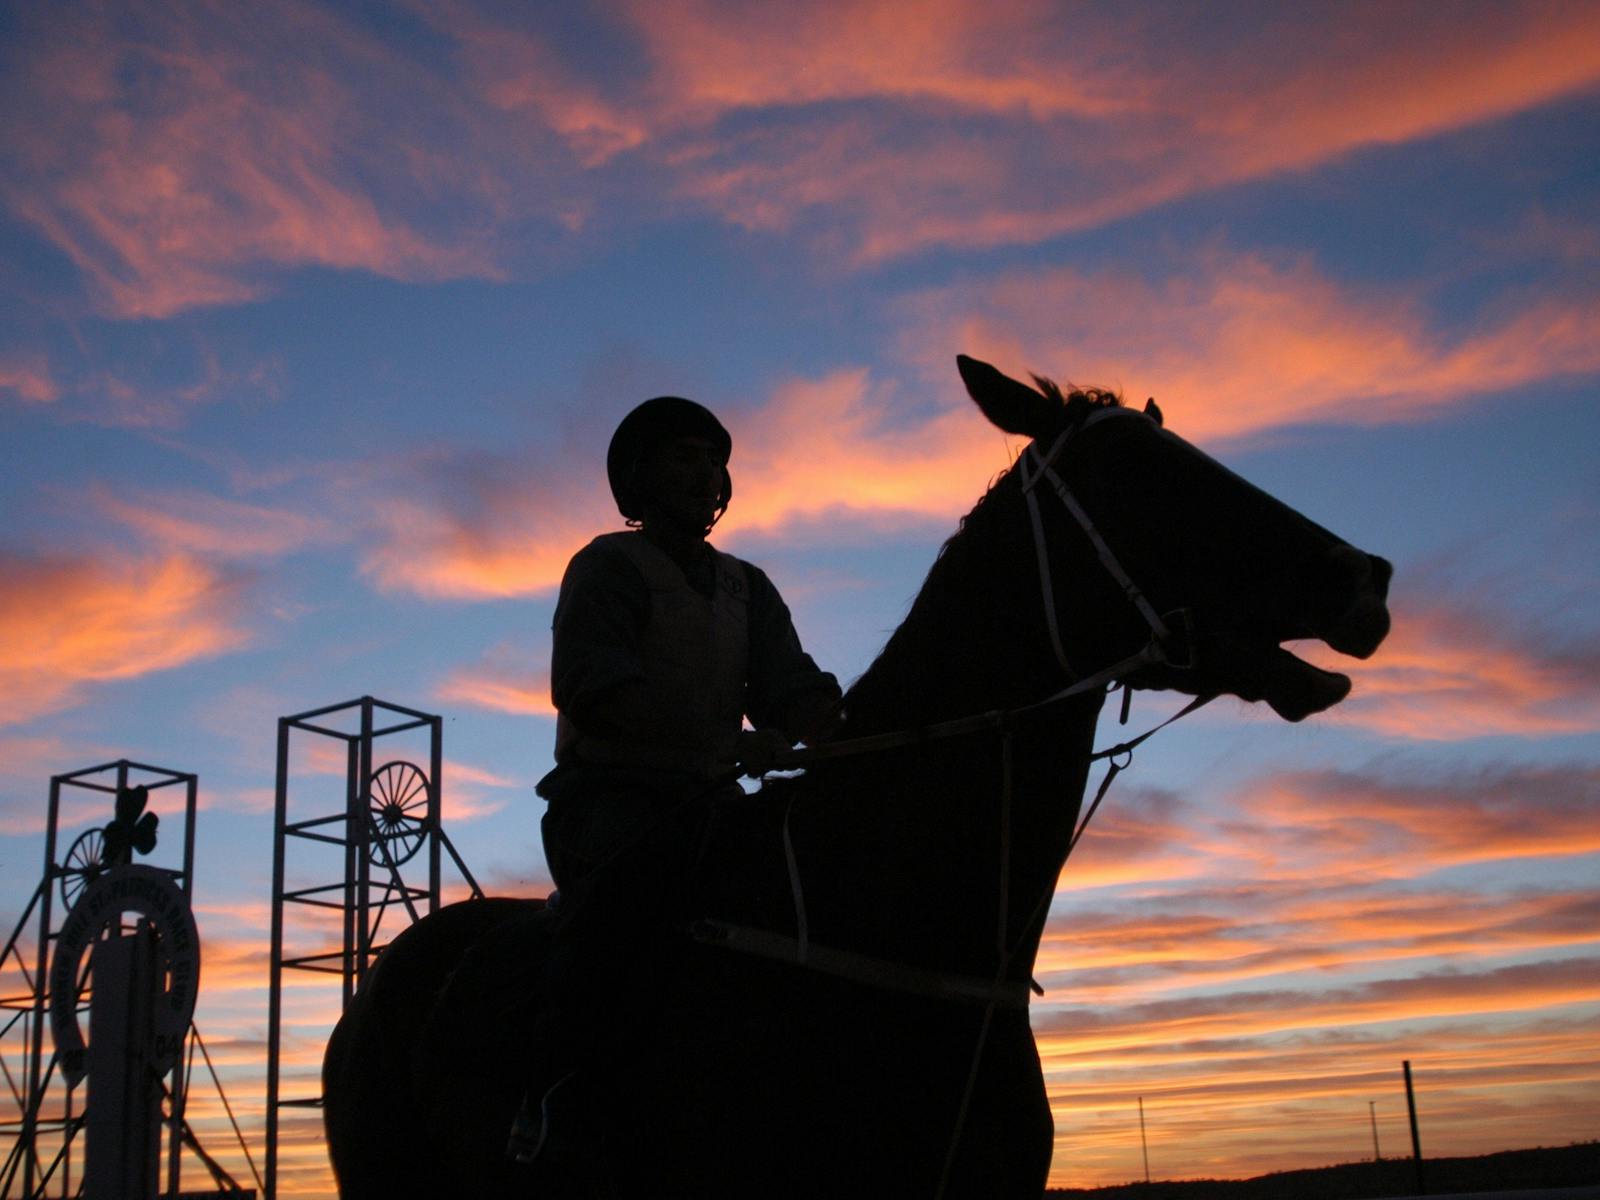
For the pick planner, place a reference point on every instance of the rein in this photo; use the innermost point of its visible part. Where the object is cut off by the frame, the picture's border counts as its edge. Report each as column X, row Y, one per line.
column 1174, row 632
column 1171, row 643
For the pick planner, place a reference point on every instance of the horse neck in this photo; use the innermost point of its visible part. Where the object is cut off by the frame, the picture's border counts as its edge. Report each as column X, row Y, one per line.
column 975, row 642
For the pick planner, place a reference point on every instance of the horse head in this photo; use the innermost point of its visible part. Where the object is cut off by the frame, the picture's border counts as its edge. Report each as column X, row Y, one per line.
column 1192, row 559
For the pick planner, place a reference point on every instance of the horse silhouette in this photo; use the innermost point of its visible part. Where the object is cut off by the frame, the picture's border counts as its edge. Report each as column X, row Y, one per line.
column 844, row 1013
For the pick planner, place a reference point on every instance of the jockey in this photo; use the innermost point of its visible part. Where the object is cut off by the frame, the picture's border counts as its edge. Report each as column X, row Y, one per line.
column 662, row 643
column 663, row 646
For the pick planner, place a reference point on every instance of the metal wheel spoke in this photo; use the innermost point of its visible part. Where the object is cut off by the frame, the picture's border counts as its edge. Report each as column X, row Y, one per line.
column 397, row 799
column 84, row 861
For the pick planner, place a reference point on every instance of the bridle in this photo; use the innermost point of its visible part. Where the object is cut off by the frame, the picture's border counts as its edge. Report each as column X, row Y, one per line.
column 1171, row 641
column 1035, row 466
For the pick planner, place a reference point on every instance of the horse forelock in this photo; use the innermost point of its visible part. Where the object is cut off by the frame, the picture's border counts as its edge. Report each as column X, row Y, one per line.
column 1075, row 399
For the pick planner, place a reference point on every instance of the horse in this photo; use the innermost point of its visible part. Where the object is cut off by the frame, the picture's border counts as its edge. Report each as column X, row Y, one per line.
column 846, row 1013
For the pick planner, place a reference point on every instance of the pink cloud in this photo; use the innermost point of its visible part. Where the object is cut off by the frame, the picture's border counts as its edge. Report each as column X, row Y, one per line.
column 178, row 157
column 153, row 383
column 198, row 523
column 943, row 131
column 1140, row 834
column 173, row 160
column 165, row 394
column 34, row 758
column 28, row 378
column 715, row 56
column 514, row 71
column 945, row 134
column 67, row 624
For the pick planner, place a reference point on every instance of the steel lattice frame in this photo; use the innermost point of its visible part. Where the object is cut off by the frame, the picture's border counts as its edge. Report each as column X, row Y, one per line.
column 49, row 1112
column 389, row 820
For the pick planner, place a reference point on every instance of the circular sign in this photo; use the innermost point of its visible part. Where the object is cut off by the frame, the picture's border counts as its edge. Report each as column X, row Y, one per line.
column 152, row 894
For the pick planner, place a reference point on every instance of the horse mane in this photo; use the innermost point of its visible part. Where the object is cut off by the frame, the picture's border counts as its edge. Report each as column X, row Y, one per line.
column 961, row 568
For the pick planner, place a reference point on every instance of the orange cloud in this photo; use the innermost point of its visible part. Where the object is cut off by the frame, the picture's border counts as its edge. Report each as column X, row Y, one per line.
column 1240, row 343
column 1234, row 346
column 1407, row 825
column 1140, row 834
column 831, row 444
column 477, row 525
column 1447, row 674
column 1268, row 945
column 66, row 624
column 466, row 794
column 1257, row 1013
column 1120, row 954
column 1239, row 1106
column 502, row 683
column 483, row 526
column 1240, row 346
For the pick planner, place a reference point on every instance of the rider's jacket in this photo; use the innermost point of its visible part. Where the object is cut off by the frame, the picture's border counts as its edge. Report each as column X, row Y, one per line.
column 627, row 613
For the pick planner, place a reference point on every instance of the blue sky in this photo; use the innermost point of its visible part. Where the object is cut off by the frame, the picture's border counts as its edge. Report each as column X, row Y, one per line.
column 317, row 318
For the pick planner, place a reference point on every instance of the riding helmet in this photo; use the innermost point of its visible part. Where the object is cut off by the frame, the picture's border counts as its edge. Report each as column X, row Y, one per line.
column 653, row 422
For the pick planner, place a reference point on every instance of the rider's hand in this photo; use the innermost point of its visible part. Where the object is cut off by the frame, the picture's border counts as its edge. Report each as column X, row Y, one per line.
column 759, row 749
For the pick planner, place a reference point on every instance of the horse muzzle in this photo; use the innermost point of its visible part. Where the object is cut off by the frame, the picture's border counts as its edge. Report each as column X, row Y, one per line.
column 1360, row 627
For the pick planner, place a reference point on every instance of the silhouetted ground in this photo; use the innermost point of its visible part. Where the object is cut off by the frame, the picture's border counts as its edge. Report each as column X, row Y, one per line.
column 1560, row 1167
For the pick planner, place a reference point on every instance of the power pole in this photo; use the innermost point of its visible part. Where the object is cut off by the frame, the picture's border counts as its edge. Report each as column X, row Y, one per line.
column 1372, row 1111
column 1416, row 1142
column 1143, row 1144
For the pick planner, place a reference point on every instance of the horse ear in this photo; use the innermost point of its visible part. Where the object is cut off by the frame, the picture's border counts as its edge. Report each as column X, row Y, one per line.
column 1153, row 410
column 1014, row 407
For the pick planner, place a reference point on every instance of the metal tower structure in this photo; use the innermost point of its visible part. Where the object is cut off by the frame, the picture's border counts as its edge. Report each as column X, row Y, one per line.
column 47, row 1090
column 374, row 770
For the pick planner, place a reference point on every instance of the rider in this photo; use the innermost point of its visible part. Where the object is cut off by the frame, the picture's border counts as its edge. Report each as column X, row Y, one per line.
column 663, row 645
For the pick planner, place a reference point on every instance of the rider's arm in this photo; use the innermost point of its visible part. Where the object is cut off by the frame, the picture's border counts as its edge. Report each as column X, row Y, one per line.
column 787, row 691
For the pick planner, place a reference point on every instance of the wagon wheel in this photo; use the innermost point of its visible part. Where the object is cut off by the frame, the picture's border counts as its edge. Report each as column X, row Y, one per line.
column 397, row 798
column 84, row 863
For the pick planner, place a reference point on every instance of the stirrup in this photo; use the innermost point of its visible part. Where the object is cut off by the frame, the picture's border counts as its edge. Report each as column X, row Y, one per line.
column 531, row 1136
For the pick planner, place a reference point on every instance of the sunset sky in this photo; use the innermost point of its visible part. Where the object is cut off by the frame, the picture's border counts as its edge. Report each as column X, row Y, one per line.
column 317, row 319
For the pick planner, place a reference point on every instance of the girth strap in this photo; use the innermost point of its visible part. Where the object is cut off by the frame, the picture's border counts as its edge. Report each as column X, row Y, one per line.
column 861, row 968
